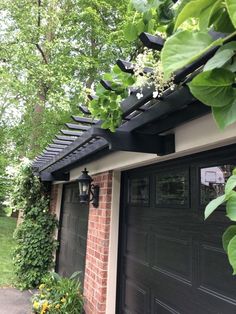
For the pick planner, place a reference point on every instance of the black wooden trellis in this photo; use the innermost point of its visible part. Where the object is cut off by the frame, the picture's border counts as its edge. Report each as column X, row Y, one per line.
column 138, row 132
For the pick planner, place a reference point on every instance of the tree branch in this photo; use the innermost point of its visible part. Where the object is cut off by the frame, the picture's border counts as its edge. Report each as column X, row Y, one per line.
column 42, row 53
column 39, row 13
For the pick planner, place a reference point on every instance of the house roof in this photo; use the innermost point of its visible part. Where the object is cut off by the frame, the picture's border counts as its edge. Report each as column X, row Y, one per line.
column 143, row 129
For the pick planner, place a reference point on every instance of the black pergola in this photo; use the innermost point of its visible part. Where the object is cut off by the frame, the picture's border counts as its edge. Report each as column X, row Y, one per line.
column 146, row 122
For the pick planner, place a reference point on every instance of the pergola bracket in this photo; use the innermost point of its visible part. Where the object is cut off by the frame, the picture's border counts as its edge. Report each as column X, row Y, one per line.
column 137, row 142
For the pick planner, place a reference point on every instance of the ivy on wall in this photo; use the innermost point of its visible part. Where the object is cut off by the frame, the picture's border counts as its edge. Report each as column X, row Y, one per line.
column 35, row 244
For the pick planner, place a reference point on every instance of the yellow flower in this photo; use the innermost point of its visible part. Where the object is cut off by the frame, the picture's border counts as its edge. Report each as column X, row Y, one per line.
column 36, row 305
column 44, row 307
column 41, row 286
column 57, row 306
column 63, row 300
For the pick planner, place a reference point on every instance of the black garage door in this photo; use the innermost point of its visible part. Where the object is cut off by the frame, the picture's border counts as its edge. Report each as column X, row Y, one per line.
column 170, row 260
column 72, row 233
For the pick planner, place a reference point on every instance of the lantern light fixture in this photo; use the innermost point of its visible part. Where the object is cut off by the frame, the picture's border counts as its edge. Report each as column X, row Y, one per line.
column 88, row 192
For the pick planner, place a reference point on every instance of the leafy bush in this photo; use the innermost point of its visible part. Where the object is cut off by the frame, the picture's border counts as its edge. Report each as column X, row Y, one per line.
column 33, row 256
column 58, row 295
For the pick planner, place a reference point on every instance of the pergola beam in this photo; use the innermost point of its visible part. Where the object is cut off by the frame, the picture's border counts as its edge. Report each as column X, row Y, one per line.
column 92, row 97
column 49, row 153
column 57, row 146
column 66, row 138
column 72, row 133
column 59, row 142
column 151, row 41
column 128, row 67
column 85, row 120
column 84, row 110
column 106, row 84
column 132, row 103
column 73, row 126
column 54, row 150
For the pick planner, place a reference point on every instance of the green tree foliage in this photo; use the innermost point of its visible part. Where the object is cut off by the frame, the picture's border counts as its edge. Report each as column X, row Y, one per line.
column 50, row 51
column 35, row 244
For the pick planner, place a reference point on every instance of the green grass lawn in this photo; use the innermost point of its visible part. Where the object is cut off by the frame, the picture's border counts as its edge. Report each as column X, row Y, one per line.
column 7, row 226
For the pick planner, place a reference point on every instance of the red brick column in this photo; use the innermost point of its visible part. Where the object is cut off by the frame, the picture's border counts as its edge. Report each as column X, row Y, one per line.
column 95, row 283
column 53, row 198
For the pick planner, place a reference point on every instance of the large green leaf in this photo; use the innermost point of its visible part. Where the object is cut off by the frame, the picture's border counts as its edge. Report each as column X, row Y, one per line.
column 214, row 88
column 222, row 56
column 229, row 233
column 130, row 32
column 223, row 23
column 215, row 12
column 183, row 48
column 219, row 60
column 230, row 184
column 231, row 66
column 224, row 116
column 193, row 8
column 231, row 207
column 231, row 7
column 232, row 253
column 213, row 205
column 204, row 18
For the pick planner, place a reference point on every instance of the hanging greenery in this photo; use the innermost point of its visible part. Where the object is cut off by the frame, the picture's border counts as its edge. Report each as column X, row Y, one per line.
column 229, row 199
column 106, row 105
column 35, row 244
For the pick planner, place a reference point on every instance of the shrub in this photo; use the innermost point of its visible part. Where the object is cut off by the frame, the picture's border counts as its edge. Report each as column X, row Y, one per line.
column 58, row 295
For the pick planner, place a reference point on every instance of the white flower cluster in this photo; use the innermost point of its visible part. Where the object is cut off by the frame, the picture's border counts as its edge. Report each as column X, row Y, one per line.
column 148, row 71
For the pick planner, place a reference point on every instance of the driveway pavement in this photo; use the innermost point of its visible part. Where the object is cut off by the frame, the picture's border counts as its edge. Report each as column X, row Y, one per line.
column 13, row 301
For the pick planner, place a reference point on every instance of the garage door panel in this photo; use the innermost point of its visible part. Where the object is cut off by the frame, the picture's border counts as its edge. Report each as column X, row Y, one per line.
column 217, row 280
column 137, row 245
column 73, row 233
column 138, row 297
column 137, row 271
column 156, row 278
column 214, row 303
column 162, row 308
column 173, row 255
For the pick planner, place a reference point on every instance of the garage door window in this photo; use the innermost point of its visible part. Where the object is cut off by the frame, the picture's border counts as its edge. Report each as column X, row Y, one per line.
column 139, row 191
column 213, row 181
column 172, row 188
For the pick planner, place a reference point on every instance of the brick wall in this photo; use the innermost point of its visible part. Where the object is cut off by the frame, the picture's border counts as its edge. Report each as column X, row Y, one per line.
column 53, row 198
column 95, row 283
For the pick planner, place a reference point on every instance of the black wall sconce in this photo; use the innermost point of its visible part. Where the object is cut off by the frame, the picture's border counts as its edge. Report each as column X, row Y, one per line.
column 86, row 188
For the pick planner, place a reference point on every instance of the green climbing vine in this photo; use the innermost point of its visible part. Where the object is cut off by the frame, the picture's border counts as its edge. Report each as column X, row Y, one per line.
column 35, row 244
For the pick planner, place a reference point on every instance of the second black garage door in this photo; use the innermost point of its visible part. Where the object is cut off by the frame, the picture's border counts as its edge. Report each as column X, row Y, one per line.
column 73, row 233
column 171, row 261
